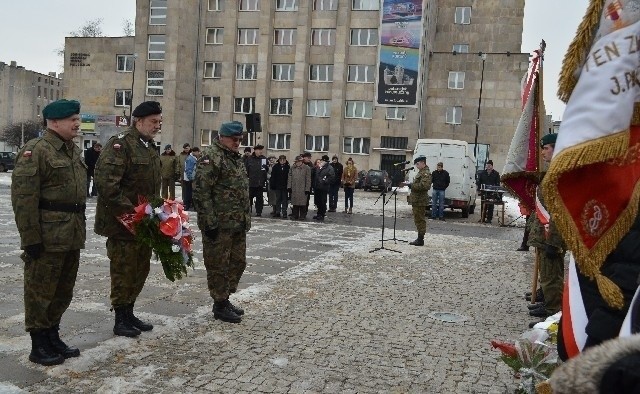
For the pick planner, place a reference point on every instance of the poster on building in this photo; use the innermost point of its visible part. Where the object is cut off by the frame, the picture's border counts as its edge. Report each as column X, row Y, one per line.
column 88, row 124
column 399, row 53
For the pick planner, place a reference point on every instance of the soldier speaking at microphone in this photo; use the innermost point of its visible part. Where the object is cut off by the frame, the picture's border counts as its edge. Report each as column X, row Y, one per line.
column 419, row 196
column 48, row 194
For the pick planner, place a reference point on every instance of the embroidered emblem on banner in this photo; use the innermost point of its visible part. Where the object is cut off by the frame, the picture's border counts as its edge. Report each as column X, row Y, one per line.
column 595, row 218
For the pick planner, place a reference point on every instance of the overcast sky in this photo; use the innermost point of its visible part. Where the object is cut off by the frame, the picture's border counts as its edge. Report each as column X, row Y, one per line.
column 32, row 30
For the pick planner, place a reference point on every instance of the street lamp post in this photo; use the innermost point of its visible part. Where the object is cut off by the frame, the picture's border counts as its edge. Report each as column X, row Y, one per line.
column 133, row 79
column 475, row 141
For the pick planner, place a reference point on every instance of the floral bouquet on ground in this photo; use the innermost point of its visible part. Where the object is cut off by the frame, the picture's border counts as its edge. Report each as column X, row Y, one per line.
column 531, row 357
column 163, row 225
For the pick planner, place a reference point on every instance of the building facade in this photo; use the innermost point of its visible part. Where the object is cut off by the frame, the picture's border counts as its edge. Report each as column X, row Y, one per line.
column 311, row 70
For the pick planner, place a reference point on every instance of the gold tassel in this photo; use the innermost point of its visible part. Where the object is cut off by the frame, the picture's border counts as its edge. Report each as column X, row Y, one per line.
column 610, row 291
column 579, row 49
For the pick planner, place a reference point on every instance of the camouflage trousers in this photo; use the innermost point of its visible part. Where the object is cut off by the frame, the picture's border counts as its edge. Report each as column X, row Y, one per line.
column 419, row 213
column 225, row 259
column 48, row 287
column 168, row 188
column 129, row 268
column 552, row 281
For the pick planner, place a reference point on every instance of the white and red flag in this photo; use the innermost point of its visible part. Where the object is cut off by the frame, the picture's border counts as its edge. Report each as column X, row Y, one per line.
column 521, row 171
column 592, row 187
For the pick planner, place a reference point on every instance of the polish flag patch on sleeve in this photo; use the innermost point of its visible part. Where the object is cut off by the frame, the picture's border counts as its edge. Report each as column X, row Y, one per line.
column 26, row 153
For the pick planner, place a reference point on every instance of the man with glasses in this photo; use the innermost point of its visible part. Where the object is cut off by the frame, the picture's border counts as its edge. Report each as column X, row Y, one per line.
column 221, row 198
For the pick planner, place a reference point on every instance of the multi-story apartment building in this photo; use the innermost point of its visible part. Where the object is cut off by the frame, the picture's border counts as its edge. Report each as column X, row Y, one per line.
column 316, row 72
column 23, row 93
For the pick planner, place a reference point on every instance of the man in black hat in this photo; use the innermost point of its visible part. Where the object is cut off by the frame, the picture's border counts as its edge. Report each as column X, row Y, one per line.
column 334, row 188
column 419, row 196
column 48, row 198
column 257, row 168
column 488, row 177
column 324, row 176
column 128, row 168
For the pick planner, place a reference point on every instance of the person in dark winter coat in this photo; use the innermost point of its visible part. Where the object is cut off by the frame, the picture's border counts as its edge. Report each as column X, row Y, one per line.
column 299, row 185
column 439, row 182
column 91, row 156
column 324, row 176
column 334, row 188
column 257, row 171
column 488, row 177
column 278, row 183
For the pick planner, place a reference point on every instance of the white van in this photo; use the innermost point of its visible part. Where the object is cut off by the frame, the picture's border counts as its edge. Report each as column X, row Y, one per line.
column 459, row 162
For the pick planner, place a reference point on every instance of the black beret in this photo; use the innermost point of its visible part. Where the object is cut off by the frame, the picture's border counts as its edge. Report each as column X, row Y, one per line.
column 419, row 158
column 147, row 108
column 325, row 158
column 61, row 109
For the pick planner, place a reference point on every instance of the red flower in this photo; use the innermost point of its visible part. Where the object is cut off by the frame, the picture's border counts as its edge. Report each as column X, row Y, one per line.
column 186, row 244
column 508, row 349
column 171, row 226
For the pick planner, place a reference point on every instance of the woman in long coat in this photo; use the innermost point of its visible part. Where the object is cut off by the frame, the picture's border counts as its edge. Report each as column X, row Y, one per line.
column 299, row 185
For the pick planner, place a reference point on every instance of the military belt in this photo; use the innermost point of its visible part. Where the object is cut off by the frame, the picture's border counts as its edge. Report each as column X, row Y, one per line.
column 61, row 206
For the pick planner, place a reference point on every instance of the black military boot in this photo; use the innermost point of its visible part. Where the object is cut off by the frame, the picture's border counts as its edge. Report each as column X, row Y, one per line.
column 419, row 241
column 41, row 350
column 222, row 311
column 237, row 310
column 59, row 346
column 137, row 323
column 123, row 327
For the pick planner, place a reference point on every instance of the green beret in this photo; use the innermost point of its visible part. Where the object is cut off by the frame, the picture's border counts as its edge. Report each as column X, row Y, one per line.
column 231, row 129
column 548, row 139
column 61, row 109
column 419, row 158
column 147, row 108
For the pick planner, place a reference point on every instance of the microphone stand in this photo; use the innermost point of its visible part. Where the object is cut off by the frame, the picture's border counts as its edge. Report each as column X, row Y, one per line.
column 395, row 216
column 383, row 194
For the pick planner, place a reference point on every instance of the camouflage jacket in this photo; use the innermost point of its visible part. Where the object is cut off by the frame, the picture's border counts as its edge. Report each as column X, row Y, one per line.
column 537, row 236
column 221, row 190
column 125, row 170
column 47, row 170
column 169, row 163
column 420, row 188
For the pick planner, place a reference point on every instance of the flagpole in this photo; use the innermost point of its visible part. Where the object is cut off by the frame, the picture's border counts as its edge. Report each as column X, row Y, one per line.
column 537, row 95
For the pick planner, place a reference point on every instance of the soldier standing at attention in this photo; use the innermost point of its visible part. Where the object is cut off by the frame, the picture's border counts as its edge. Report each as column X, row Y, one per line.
column 221, row 197
column 48, row 194
column 419, row 192
column 170, row 172
column 128, row 168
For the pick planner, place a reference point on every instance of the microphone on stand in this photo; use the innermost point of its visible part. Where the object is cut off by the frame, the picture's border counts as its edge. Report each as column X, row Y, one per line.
column 407, row 169
column 402, row 163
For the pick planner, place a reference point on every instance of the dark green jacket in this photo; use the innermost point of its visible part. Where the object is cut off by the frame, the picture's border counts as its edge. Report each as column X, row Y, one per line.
column 221, row 190
column 537, row 236
column 47, row 170
column 126, row 170
column 420, row 188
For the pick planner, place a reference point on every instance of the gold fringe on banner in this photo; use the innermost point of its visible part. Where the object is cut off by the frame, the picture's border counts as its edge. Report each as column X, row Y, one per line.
column 590, row 261
column 579, row 49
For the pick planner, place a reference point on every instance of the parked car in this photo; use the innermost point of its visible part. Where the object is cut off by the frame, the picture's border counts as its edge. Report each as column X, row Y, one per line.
column 360, row 179
column 377, row 179
column 7, row 161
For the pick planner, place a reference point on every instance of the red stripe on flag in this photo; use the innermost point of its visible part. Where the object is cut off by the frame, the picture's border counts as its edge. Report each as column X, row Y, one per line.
column 568, row 338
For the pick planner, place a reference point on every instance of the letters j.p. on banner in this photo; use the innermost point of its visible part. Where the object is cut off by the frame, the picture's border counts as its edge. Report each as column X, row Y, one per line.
column 399, row 53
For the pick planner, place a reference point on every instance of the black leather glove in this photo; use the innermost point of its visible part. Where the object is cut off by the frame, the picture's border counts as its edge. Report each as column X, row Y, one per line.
column 34, row 251
column 211, row 233
column 551, row 251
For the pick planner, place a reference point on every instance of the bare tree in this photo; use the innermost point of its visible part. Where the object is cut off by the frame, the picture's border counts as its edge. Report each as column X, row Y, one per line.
column 12, row 133
column 127, row 28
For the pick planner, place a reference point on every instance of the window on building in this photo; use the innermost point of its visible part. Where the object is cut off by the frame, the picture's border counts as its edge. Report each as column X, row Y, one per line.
column 316, row 143
column 212, row 70
column 281, row 106
column 394, row 142
column 279, row 141
column 244, row 105
column 460, row 48
column 396, row 113
column 321, row 73
column 207, row 136
column 319, row 108
column 51, row 94
column 246, row 71
column 210, row 104
column 122, row 98
column 283, row 72
column 214, row 35
column 215, row 5
column 248, row 139
column 361, row 73
column 454, row 115
column 286, row 5
column 463, row 16
column 248, row 36
column 456, row 79
column 249, row 5
column 46, row 93
column 323, row 36
column 325, row 5
column 156, row 46
column 57, row 95
column 364, row 37
column 158, row 12
column 358, row 109
column 284, row 36
column 365, row 5
column 124, row 63
column 356, row 145
column 155, row 83
column 39, row 94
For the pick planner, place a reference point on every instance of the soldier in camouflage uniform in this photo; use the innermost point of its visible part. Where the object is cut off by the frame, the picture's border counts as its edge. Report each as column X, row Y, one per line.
column 550, row 248
column 128, row 168
column 419, row 197
column 48, row 196
column 221, row 198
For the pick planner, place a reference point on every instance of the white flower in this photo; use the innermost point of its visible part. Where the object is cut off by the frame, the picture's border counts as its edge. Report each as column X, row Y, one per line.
column 175, row 248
